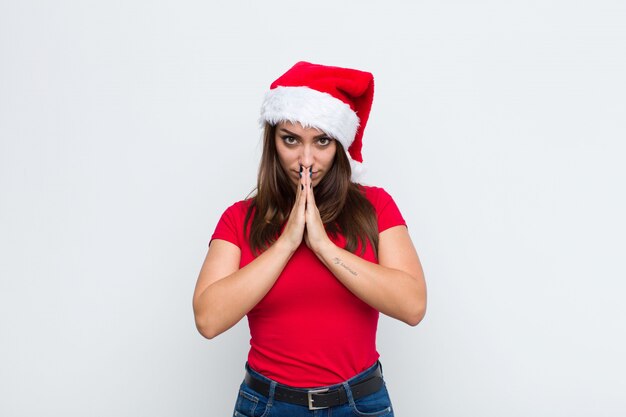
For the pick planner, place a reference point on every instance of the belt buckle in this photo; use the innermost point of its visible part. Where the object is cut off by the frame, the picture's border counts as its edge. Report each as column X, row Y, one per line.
column 310, row 398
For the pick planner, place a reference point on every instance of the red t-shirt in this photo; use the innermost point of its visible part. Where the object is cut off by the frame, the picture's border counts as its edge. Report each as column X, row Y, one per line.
column 309, row 330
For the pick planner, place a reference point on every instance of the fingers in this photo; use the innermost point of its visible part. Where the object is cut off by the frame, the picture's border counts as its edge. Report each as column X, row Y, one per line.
column 296, row 223
column 315, row 235
column 298, row 187
column 313, row 218
column 300, row 192
column 310, row 197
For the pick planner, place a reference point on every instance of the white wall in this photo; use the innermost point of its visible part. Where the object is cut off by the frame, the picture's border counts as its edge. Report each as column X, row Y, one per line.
column 126, row 128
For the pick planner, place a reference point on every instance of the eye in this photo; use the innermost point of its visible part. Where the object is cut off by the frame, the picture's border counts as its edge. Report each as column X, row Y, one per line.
column 324, row 141
column 289, row 140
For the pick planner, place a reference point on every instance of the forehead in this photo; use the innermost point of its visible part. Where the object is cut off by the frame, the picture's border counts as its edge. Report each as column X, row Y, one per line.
column 298, row 129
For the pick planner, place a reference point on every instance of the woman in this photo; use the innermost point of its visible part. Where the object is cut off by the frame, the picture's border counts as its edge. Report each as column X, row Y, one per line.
column 312, row 258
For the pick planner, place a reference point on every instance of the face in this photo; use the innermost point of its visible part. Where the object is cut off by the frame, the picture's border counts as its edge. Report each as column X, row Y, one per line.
column 308, row 147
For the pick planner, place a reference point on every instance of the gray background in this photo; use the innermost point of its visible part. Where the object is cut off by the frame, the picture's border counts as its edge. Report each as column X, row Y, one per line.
column 128, row 127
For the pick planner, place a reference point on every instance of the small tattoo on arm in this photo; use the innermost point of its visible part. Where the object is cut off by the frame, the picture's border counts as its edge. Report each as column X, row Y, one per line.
column 338, row 261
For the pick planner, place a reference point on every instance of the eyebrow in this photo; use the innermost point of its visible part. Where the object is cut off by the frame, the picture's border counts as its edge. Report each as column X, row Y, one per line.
column 323, row 135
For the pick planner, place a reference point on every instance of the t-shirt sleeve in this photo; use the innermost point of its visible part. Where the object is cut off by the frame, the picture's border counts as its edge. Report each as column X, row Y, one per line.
column 229, row 225
column 387, row 211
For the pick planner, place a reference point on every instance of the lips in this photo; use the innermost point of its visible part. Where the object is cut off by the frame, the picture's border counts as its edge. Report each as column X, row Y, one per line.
column 297, row 173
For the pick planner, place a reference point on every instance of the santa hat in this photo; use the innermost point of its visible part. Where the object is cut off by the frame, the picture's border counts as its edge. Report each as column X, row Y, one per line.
column 335, row 100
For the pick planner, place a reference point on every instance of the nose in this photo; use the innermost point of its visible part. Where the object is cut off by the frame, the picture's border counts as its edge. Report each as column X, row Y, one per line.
column 306, row 157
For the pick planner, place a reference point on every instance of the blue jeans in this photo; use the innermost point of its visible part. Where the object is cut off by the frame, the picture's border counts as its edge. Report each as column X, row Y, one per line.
column 252, row 404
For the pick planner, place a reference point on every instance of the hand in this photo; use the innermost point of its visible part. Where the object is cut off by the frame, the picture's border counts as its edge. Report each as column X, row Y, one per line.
column 294, row 229
column 315, row 235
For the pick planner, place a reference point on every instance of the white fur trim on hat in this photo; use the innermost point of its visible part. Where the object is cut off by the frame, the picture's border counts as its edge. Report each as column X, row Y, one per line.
column 311, row 108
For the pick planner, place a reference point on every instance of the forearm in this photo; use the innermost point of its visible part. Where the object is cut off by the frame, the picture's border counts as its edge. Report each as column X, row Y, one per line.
column 390, row 291
column 222, row 304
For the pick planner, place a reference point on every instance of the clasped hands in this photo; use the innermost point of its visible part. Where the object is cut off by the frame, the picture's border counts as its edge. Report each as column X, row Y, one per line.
column 304, row 221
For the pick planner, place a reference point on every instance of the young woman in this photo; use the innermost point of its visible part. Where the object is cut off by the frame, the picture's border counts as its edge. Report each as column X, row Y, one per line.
column 312, row 258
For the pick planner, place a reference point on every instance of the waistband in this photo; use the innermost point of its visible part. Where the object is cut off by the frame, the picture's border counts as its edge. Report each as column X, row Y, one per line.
column 316, row 398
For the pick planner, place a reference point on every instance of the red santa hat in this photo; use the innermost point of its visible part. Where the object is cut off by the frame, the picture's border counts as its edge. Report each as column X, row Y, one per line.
column 335, row 100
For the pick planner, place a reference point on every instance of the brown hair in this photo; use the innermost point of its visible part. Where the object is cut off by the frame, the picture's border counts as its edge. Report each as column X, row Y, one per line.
column 342, row 204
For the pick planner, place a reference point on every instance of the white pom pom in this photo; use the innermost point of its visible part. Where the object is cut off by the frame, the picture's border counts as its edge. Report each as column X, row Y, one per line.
column 358, row 170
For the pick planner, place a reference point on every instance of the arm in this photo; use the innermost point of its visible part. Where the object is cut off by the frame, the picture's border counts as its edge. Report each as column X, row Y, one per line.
column 395, row 286
column 224, row 293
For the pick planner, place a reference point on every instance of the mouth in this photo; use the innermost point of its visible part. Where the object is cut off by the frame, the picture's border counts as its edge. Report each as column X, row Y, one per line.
column 297, row 173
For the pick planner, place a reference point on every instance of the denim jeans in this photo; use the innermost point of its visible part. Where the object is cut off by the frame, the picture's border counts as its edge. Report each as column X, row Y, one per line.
column 252, row 404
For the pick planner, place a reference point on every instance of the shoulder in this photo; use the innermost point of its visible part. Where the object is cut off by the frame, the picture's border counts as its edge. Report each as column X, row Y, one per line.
column 240, row 206
column 376, row 195
column 231, row 224
column 237, row 211
column 387, row 211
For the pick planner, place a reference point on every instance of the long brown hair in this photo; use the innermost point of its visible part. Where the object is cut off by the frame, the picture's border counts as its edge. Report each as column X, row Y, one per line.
column 342, row 204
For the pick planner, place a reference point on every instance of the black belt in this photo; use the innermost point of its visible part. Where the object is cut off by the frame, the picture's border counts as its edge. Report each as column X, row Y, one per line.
column 317, row 399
